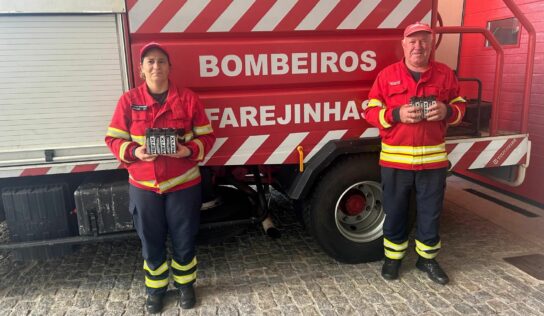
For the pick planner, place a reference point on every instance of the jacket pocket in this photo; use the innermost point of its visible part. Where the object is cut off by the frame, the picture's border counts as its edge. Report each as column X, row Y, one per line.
column 397, row 96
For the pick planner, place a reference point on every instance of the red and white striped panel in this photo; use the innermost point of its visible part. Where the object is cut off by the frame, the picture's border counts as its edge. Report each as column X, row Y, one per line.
column 201, row 16
column 478, row 153
column 58, row 168
column 474, row 153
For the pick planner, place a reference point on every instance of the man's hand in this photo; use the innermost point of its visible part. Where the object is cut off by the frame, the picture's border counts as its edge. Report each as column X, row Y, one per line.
column 409, row 114
column 141, row 154
column 183, row 152
column 437, row 112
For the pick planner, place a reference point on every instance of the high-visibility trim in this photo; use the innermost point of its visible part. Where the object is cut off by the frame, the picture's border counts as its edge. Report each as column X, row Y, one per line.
column 413, row 150
column 394, row 254
column 187, row 137
column 459, row 115
column 184, row 279
column 203, row 130
column 458, row 99
column 122, row 151
column 186, row 267
column 140, row 139
column 382, row 119
column 156, row 284
column 189, row 175
column 374, row 102
column 424, row 247
column 200, row 145
column 398, row 247
column 413, row 160
column 426, row 255
column 160, row 270
column 117, row 133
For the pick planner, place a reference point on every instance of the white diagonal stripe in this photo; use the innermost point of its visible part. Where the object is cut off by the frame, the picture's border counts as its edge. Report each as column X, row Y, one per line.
column 60, row 169
column 485, row 156
column 317, row 15
column 517, row 153
column 218, row 143
column 285, row 148
column 185, row 16
column 231, row 15
column 396, row 16
column 274, row 16
column 247, row 149
column 330, row 136
column 370, row 132
column 458, row 152
column 140, row 12
column 358, row 15
column 107, row 166
column 427, row 18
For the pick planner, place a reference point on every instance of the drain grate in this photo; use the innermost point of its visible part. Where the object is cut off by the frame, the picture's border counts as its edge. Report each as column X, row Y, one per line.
column 533, row 264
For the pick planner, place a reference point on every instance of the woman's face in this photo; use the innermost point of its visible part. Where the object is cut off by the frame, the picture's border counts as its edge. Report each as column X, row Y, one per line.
column 155, row 66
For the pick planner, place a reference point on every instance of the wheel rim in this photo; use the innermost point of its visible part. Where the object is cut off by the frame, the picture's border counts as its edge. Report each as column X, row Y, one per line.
column 359, row 212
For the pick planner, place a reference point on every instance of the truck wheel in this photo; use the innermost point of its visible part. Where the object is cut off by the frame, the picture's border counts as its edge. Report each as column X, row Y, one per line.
column 345, row 212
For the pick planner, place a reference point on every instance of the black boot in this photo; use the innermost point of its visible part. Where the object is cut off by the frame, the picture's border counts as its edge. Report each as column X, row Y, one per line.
column 433, row 269
column 390, row 269
column 153, row 303
column 187, row 297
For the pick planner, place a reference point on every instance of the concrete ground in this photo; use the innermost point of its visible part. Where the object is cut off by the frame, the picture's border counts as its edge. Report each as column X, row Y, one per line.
column 251, row 274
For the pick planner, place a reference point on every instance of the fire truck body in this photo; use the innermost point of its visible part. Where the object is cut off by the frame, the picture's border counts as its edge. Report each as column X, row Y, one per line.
column 284, row 84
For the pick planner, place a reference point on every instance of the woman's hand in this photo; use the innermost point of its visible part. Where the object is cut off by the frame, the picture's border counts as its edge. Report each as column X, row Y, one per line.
column 183, row 152
column 141, row 154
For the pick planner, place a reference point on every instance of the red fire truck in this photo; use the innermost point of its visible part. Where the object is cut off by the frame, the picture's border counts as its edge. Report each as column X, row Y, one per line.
column 284, row 84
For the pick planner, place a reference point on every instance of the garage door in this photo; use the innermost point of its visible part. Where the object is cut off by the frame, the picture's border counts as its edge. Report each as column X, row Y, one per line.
column 62, row 75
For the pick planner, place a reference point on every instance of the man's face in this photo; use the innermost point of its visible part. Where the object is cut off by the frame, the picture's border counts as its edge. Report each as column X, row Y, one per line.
column 417, row 49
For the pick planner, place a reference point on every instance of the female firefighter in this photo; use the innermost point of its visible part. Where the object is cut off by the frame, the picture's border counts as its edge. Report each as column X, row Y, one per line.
column 164, row 186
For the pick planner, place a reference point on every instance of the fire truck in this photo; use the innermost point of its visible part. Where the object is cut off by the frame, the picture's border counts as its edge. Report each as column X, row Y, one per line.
column 284, row 85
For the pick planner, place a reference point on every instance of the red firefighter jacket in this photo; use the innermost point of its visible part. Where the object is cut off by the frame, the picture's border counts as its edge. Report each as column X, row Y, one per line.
column 419, row 145
column 135, row 112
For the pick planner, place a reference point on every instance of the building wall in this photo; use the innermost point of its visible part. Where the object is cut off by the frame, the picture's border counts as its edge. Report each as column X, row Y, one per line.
column 451, row 12
column 479, row 61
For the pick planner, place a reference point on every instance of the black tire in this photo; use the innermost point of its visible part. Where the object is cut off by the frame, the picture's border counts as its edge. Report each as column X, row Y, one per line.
column 348, row 238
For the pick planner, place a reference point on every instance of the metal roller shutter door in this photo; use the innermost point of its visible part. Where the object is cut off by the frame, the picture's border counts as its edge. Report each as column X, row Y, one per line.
column 62, row 77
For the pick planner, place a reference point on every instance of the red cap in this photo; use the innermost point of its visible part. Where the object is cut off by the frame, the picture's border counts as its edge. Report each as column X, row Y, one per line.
column 147, row 47
column 417, row 27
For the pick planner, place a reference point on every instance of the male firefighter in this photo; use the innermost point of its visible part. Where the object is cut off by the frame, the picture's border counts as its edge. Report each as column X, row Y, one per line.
column 164, row 187
column 412, row 102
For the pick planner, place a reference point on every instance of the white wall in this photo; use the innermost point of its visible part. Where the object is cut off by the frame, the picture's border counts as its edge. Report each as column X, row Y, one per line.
column 452, row 14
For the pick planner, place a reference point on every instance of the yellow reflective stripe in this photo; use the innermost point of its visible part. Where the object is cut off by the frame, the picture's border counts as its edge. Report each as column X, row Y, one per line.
column 117, row 133
column 184, row 279
column 413, row 160
column 458, row 99
column 414, row 150
column 186, row 267
column 122, row 151
column 398, row 247
column 425, row 254
column 200, row 145
column 160, row 270
column 156, row 284
column 374, row 102
column 189, row 175
column 382, row 119
column 187, row 137
column 459, row 116
column 394, row 255
column 203, row 130
column 422, row 246
column 140, row 139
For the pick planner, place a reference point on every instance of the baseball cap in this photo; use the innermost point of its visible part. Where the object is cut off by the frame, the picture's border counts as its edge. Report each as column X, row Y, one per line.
column 417, row 27
column 151, row 45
